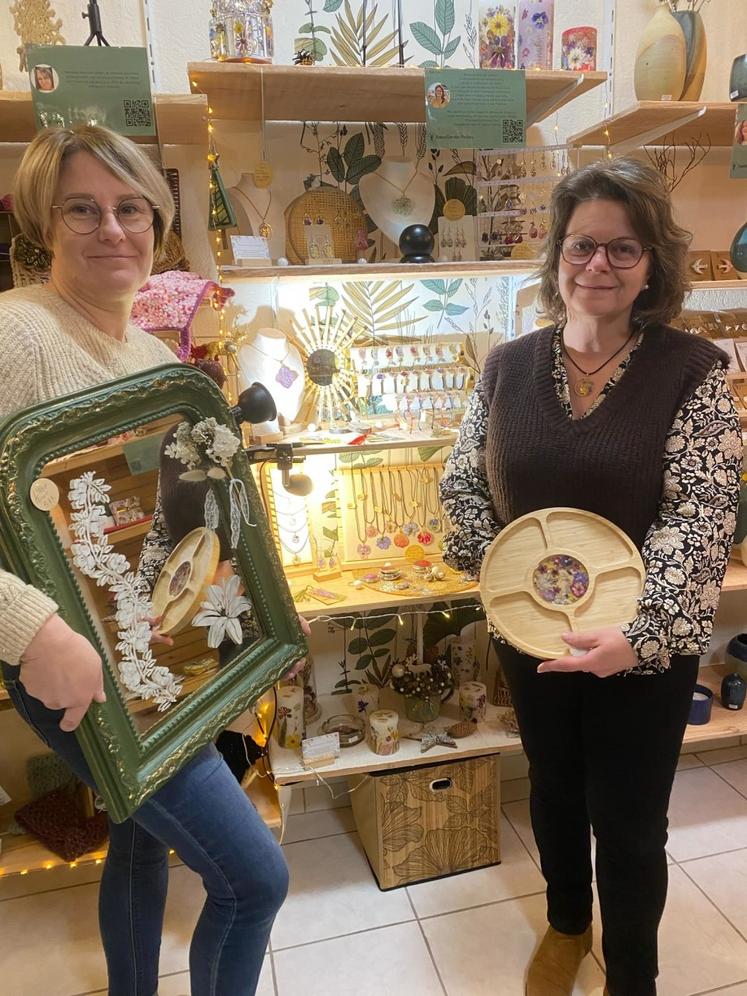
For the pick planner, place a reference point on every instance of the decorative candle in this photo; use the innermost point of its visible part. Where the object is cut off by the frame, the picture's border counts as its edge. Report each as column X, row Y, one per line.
column 365, row 700
column 383, row 731
column 473, row 699
column 534, row 22
column 289, row 719
column 579, row 49
column 700, row 710
column 463, row 663
column 496, row 35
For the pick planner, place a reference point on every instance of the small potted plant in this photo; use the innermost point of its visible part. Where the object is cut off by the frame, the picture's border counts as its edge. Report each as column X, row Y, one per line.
column 424, row 686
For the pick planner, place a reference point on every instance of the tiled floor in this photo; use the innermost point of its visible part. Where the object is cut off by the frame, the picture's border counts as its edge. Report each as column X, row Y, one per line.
column 468, row 935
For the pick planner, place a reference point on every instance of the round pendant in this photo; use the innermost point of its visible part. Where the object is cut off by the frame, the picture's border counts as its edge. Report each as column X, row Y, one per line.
column 584, row 388
column 265, row 230
column 402, row 205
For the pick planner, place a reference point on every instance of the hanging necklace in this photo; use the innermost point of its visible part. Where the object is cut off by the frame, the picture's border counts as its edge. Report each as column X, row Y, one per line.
column 586, row 385
column 265, row 229
column 286, row 375
column 402, row 205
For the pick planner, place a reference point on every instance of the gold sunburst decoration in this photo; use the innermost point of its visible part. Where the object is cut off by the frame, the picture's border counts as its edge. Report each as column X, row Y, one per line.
column 324, row 339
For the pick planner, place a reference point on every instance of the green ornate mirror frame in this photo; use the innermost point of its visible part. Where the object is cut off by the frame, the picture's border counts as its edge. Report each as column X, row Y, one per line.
column 132, row 745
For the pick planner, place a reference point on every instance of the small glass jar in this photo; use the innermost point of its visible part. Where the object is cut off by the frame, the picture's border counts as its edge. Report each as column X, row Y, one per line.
column 241, row 31
column 422, row 710
column 350, row 729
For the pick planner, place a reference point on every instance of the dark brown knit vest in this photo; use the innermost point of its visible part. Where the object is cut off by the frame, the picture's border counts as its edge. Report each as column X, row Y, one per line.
column 609, row 462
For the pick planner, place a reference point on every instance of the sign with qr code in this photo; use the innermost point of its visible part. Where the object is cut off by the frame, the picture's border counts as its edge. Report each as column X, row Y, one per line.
column 92, row 84
column 475, row 108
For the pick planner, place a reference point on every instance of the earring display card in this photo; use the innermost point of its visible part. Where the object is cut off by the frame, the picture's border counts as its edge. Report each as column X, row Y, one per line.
column 320, row 244
column 456, row 239
column 390, row 513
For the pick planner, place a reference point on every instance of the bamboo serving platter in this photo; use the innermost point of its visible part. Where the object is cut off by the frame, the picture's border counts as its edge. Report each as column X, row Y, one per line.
column 559, row 570
column 181, row 585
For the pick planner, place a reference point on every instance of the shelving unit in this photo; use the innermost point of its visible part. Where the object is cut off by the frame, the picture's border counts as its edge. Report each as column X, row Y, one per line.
column 181, row 119
column 388, row 269
column 345, row 93
column 648, row 121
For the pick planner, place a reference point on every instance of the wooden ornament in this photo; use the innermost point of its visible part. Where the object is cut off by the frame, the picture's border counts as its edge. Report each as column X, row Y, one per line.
column 661, row 59
column 44, row 494
column 555, row 571
column 185, row 576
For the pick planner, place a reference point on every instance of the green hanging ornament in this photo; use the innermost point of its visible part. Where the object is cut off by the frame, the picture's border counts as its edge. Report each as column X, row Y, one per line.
column 221, row 211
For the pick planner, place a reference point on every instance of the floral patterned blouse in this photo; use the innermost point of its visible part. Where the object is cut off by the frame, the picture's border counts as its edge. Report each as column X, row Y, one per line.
column 686, row 550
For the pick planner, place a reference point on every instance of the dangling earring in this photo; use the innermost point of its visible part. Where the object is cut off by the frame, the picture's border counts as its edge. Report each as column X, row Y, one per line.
column 645, row 286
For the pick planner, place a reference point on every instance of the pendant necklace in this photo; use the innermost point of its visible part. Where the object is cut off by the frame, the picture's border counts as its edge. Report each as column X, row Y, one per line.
column 286, row 375
column 265, row 229
column 586, row 385
column 402, row 205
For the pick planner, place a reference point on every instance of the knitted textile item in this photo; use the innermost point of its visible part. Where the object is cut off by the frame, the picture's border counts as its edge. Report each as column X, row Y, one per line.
column 170, row 301
column 57, row 822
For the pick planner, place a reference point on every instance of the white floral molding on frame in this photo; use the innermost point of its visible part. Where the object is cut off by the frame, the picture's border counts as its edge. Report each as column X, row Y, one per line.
column 221, row 612
column 94, row 556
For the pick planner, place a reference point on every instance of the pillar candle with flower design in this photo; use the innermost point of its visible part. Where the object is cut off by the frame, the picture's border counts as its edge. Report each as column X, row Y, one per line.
column 579, row 49
column 534, row 21
column 473, row 699
column 463, row 662
column 497, row 42
column 383, row 732
column 365, row 700
column 289, row 719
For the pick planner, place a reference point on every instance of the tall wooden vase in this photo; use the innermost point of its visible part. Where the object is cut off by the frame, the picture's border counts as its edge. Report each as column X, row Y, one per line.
column 661, row 60
column 696, row 52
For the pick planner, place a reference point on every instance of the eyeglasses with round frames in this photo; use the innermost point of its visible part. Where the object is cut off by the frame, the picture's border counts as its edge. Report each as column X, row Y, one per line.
column 622, row 253
column 83, row 215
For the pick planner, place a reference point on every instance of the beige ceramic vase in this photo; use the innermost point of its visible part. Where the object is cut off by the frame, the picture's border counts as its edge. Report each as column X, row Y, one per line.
column 661, row 60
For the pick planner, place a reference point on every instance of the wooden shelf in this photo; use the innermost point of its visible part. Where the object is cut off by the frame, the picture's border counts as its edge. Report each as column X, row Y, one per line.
column 724, row 722
column 23, row 853
column 126, row 533
column 489, row 738
column 649, row 121
column 181, row 118
column 364, row 599
column 237, row 91
column 719, row 285
column 736, row 576
column 390, row 269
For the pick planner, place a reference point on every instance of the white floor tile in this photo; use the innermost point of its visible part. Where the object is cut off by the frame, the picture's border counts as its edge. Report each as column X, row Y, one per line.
column 323, row 823
column 51, row 943
column 393, row 961
column 333, row 892
column 698, row 949
column 517, row 788
column 723, row 754
column 706, row 816
column 517, row 875
column 186, row 897
column 735, row 773
column 486, row 951
column 689, row 761
column 723, row 877
column 740, row 990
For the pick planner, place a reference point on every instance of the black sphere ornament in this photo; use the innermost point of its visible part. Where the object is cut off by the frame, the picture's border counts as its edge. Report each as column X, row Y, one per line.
column 416, row 244
column 733, row 691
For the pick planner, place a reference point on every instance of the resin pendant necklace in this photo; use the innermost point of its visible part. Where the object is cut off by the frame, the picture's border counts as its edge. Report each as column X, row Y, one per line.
column 584, row 387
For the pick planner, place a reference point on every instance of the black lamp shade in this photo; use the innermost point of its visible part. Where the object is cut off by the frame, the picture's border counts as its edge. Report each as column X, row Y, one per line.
column 255, row 405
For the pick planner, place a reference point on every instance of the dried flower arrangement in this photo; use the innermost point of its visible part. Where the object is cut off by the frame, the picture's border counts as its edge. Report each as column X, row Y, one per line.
column 411, row 679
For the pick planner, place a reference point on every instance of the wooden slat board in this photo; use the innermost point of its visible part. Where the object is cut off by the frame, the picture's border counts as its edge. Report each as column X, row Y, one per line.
column 717, row 122
column 343, row 93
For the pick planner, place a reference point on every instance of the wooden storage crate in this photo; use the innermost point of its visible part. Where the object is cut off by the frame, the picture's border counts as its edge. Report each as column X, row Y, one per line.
column 422, row 823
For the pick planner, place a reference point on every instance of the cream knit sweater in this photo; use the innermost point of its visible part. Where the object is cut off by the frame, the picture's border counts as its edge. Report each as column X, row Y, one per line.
column 47, row 349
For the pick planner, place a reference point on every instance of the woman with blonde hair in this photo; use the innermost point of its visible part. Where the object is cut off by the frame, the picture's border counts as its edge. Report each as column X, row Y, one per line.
column 610, row 410
column 101, row 208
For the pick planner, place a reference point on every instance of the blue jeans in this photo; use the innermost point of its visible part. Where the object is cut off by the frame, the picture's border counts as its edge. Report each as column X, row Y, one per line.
column 205, row 816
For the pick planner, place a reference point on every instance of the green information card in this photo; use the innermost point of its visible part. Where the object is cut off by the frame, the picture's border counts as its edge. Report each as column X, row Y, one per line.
column 95, row 85
column 475, row 108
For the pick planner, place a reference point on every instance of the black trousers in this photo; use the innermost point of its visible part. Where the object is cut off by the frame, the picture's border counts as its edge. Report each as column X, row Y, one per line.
column 602, row 754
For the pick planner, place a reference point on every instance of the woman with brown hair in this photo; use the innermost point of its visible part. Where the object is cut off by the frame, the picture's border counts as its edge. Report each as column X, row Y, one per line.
column 610, row 410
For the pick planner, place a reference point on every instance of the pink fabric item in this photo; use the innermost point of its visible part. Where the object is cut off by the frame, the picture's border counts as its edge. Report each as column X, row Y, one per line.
column 169, row 301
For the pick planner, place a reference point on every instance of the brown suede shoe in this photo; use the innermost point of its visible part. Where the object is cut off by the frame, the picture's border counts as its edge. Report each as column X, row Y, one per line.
column 555, row 965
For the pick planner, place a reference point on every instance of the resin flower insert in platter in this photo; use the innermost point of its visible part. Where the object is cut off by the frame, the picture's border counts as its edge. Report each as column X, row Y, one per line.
column 222, row 612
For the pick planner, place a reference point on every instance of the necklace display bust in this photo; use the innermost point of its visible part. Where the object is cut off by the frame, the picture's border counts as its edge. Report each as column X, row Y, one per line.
column 276, row 363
